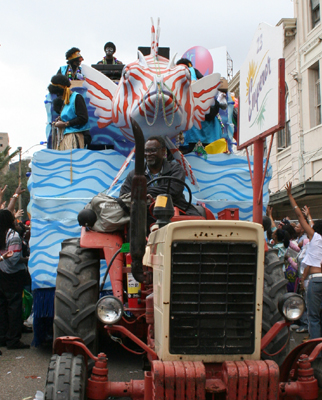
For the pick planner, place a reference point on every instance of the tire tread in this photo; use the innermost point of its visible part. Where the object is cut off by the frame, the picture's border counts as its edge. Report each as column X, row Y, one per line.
column 66, row 378
column 77, row 293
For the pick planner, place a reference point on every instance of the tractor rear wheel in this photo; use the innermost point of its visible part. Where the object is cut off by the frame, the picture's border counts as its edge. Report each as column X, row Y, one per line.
column 66, row 378
column 275, row 285
column 77, row 290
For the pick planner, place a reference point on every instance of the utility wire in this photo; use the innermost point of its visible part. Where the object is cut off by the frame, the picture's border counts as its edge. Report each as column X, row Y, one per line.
column 277, row 172
column 315, row 174
column 301, row 168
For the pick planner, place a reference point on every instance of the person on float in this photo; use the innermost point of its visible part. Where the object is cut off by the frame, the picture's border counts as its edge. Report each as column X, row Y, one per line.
column 312, row 260
column 195, row 73
column 157, row 165
column 212, row 127
column 73, row 118
column 109, row 58
column 73, row 69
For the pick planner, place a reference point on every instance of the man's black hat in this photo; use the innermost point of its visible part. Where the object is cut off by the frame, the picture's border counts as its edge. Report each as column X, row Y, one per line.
column 110, row 44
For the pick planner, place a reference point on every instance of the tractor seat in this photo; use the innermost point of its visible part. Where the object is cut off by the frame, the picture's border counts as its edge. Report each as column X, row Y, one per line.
column 201, row 210
column 204, row 214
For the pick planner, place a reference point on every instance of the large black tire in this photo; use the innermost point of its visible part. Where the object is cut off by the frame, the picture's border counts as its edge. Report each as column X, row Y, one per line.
column 275, row 285
column 77, row 289
column 317, row 368
column 66, row 378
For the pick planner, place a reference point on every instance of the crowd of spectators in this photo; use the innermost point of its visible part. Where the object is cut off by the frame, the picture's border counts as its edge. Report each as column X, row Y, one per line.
column 14, row 274
column 299, row 248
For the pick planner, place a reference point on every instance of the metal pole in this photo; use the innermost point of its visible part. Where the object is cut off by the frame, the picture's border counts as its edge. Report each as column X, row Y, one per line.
column 257, row 180
column 19, row 178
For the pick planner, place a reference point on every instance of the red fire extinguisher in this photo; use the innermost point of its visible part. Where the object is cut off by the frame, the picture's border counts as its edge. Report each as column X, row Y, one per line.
column 134, row 288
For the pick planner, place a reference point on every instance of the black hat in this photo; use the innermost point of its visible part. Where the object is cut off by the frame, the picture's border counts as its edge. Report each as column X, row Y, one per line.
column 184, row 61
column 110, row 44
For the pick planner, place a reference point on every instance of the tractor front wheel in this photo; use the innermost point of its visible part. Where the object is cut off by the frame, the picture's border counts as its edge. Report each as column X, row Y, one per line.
column 66, row 378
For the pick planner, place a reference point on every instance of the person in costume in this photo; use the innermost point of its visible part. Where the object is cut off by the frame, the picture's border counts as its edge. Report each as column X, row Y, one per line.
column 195, row 73
column 109, row 58
column 73, row 69
column 73, row 119
column 212, row 128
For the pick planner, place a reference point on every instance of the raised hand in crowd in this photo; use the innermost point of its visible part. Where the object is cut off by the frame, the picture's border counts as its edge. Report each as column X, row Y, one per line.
column 12, row 202
column 269, row 212
column 19, row 213
column 2, row 190
column 3, row 205
column 306, row 212
column 19, row 190
column 307, row 228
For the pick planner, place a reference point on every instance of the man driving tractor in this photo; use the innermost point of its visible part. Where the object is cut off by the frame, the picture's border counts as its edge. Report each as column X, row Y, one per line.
column 157, row 166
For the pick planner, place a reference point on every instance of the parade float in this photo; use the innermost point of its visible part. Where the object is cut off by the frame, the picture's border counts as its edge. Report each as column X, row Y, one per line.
column 63, row 182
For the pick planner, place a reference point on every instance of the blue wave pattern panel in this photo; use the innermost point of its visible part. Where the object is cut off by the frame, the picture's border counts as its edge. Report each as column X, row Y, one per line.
column 55, row 202
column 224, row 182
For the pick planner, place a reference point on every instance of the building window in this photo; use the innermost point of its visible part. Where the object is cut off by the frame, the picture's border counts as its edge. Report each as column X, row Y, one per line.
column 284, row 136
column 315, row 95
column 315, row 12
column 318, row 99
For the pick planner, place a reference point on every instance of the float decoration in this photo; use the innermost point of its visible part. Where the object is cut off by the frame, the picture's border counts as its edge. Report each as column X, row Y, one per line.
column 156, row 93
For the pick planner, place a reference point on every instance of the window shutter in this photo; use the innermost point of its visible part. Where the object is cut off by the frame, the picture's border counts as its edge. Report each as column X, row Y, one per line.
column 315, row 4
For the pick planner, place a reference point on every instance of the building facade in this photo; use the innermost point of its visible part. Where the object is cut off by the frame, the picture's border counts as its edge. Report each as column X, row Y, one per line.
column 4, row 140
column 296, row 153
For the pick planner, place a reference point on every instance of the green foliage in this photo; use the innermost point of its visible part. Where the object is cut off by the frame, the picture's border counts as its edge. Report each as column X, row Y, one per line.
column 5, row 157
column 11, row 179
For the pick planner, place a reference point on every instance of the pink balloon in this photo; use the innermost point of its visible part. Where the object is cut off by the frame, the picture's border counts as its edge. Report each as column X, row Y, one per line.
column 200, row 59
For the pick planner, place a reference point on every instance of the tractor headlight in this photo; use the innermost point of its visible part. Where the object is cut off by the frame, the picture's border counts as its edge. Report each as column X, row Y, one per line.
column 109, row 310
column 291, row 306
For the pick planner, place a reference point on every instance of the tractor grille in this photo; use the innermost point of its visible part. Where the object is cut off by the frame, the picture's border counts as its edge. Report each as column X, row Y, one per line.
column 213, row 295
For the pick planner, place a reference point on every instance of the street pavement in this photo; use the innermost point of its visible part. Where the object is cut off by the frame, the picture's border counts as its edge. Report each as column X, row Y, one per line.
column 23, row 372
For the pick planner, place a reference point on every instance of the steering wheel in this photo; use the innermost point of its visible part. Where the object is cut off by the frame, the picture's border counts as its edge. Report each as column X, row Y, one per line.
column 168, row 188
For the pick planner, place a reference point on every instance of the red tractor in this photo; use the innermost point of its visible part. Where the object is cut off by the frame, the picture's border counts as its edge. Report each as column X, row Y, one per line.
column 203, row 298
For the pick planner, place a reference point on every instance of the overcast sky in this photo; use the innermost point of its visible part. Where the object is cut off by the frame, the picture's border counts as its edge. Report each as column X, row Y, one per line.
column 34, row 36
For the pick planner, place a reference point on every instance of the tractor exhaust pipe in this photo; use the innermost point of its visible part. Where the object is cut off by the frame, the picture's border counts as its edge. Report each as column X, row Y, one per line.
column 138, row 207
